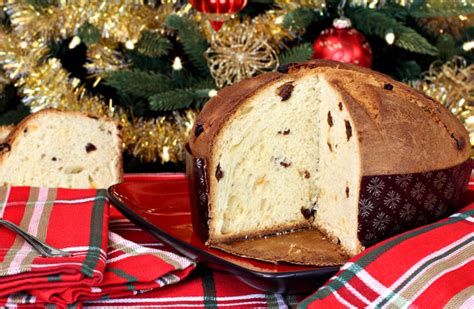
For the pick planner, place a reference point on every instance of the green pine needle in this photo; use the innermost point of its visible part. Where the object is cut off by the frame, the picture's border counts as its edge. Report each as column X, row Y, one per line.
column 373, row 22
column 151, row 44
column 299, row 19
column 139, row 83
column 171, row 100
column 299, row 53
column 179, row 99
column 447, row 9
column 193, row 41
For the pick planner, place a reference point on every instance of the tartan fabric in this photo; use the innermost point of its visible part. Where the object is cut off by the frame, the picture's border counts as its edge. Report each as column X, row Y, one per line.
column 428, row 267
column 71, row 220
column 432, row 266
column 104, row 264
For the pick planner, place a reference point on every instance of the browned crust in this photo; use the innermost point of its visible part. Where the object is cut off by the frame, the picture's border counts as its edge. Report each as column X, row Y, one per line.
column 15, row 134
column 308, row 247
column 4, row 132
column 400, row 130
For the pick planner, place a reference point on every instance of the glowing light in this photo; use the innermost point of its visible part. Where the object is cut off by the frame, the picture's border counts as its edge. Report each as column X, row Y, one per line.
column 212, row 93
column 390, row 37
column 468, row 45
column 177, row 65
column 129, row 45
column 74, row 42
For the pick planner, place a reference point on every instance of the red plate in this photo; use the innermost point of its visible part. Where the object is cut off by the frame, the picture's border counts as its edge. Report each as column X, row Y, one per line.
column 160, row 205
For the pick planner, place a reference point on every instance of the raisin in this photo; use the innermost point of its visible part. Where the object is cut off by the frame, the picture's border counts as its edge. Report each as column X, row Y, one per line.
column 307, row 174
column 330, row 122
column 340, row 106
column 219, row 172
column 199, row 129
column 5, row 147
column 388, row 86
column 119, row 127
column 54, row 159
column 283, row 68
column 285, row 90
column 347, row 192
column 285, row 164
column 25, row 130
column 348, row 129
column 90, row 147
column 308, row 212
column 284, row 132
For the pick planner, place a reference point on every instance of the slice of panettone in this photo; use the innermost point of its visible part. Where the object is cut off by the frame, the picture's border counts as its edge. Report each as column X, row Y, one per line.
column 62, row 149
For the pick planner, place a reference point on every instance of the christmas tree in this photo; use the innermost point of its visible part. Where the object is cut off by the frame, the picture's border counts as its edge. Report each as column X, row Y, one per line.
column 153, row 65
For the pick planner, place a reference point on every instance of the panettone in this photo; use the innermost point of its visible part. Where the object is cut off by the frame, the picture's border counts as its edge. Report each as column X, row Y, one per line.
column 327, row 145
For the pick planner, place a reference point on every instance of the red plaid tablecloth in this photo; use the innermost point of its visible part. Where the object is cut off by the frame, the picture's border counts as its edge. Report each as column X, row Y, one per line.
column 431, row 266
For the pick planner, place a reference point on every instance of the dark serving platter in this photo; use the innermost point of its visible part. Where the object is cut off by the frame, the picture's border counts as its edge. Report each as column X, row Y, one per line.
column 160, row 205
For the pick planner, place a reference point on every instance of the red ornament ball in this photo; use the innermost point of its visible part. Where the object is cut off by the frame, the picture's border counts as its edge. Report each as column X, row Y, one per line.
column 343, row 43
column 217, row 10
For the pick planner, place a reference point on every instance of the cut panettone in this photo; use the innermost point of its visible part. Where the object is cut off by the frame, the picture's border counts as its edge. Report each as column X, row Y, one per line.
column 327, row 145
column 62, row 149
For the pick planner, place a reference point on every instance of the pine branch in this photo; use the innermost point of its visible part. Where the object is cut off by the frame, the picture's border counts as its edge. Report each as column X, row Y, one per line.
column 171, row 100
column 373, row 22
column 138, row 83
column 194, row 42
column 443, row 10
column 142, row 62
column 179, row 99
column 302, row 52
column 150, row 44
column 299, row 19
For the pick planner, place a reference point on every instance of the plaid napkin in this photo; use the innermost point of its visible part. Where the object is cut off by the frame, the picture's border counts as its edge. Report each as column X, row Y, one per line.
column 430, row 267
column 71, row 220
column 78, row 222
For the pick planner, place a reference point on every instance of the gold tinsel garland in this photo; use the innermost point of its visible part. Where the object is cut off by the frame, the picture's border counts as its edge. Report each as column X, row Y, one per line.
column 46, row 84
column 452, row 84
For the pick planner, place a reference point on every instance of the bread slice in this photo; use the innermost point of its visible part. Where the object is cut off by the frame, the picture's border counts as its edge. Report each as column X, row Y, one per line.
column 327, row 145
column 62, row 149
column 4, row 131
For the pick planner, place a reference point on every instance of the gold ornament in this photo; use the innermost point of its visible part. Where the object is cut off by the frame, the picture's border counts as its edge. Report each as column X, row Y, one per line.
column 452, row 84
column 238, row 53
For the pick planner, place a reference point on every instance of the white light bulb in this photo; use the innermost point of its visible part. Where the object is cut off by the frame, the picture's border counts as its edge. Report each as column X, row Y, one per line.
column 390, row 38
column 468, row 45
column 129, row 45
column 74, row 42
column 212, row 93
column 177, row 65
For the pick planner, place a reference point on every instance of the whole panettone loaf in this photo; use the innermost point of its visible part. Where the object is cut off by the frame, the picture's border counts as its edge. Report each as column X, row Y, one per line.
column 54, row 148
column 327, row 145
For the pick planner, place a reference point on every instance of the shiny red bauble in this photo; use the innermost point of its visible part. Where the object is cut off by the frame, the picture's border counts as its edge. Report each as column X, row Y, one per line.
column 343, row 43
column 217, row 10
